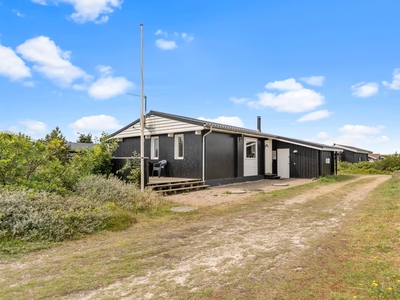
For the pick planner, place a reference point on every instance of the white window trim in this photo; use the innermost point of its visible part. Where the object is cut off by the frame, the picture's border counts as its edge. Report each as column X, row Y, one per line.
column 245, row 148
column 176, row 146
column 152, row 147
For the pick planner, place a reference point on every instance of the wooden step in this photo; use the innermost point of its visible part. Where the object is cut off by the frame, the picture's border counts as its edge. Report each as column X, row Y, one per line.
column 178, row 186
column 182, row 182
column 182, row 189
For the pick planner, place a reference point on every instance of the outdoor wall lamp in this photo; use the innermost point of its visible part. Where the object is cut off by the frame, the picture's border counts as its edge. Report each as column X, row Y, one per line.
column 295, row 151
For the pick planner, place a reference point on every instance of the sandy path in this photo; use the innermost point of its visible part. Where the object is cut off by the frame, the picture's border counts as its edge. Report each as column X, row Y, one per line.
column 228, row 193
column 201, row 254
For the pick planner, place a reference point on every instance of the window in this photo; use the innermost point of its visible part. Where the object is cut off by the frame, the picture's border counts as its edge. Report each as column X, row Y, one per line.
column 179, row 146
column 155, row 147
column 251, row 151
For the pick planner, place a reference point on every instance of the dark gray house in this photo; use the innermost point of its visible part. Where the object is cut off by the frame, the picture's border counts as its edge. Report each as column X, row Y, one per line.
column 218, row 153
column 352, row 154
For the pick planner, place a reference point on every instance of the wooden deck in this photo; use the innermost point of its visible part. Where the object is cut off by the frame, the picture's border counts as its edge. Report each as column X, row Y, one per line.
column 173, row 185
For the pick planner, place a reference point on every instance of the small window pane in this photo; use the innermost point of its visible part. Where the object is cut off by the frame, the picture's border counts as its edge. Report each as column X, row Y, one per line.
column 155, row 147
column 179, row 146
column 251, row 149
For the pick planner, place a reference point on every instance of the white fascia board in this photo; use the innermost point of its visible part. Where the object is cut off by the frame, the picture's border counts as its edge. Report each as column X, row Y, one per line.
column 355, row 150
column 309, row 146
column 246, row 134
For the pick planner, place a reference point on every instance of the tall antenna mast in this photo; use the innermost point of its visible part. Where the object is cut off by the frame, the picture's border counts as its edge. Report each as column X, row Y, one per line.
column 142, row 114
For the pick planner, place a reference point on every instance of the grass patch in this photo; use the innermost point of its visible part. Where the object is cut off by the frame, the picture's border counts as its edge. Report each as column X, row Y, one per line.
column 362, row 261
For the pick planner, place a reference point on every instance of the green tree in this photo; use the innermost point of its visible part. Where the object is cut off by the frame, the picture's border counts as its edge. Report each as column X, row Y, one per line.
column 63, row 149
column 24, row 162
column 84, row 138
column 37, row 164
column 131, row 171
column 98, row 159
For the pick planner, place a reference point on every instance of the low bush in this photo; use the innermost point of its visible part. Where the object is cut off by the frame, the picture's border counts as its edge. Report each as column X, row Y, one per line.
column 96, row 203
column 40, row 216
column 388, row 165
column 111, row 189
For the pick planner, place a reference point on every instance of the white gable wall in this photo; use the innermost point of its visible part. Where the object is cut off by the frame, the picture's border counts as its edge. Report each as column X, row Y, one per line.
column 156, row 125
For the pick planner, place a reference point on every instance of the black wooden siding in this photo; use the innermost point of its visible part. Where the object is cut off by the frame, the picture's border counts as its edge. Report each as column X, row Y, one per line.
column 225, row 157
column 188, row 167
column 327, row 169
column 222, row 157
column 353, row 157
column 307, row 162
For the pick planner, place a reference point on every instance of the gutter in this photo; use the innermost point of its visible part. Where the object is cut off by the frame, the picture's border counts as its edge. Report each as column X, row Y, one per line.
column 204, row 153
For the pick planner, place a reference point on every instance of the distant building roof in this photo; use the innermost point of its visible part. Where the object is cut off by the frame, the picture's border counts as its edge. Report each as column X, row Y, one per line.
column 75, row 146
column 375, row 155
column 351, row 148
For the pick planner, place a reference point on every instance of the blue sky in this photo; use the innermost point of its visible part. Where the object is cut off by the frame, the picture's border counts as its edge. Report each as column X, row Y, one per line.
column 322, row 71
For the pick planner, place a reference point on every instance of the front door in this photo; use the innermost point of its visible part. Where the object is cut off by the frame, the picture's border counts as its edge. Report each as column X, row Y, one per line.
column 250, row 157
column 283, row 163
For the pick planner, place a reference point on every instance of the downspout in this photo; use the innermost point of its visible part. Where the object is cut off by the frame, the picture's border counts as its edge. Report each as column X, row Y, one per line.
column 204, row 153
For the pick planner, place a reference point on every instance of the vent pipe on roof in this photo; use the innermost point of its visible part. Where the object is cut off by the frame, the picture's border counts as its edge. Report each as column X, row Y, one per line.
column 259, row 123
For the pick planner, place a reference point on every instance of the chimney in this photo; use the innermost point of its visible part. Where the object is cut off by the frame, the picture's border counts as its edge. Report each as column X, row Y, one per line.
column 259, row 123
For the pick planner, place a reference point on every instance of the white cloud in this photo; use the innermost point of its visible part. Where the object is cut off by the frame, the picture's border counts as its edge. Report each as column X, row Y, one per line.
column 166, row 45
column 238, row 100
column 395, row 84
column 316, row 115
column 295, row 98
column 104, row 70
column 314, row 80
column 187, row 37
column 32, row 127
column 41, row 2
column 383, row 138
column 160, row 32
column 18, row 13
column 11, row 65
column 88, row 10
column 51, row 61
column 233, row 121
column 95, row 123
column 171, row 43
column 365, row 90
column 108, row 87
column 284, row 85
column 359, row 136
column 361, row 129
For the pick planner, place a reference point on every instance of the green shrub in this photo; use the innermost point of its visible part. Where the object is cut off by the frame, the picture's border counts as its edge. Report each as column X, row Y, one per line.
column 41, row 216
column 386, row 166
column 111, row 189
column 131, row 171
column 45, row 165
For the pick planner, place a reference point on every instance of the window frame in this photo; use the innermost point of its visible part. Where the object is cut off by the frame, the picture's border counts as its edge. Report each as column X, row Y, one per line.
column 176, row 146
column 254, row 143
column 153, row 139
